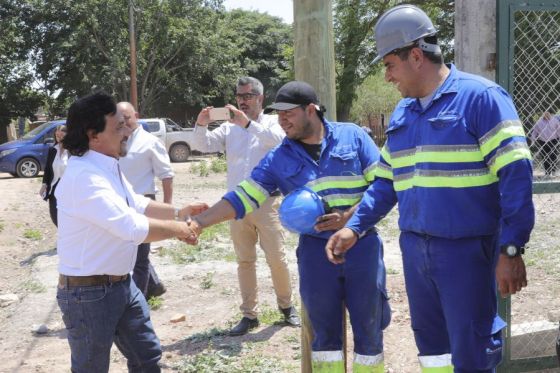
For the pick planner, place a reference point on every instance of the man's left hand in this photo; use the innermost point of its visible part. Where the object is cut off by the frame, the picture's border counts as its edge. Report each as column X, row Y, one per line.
column 332, row 222
column 510, row 275
column 238, row 117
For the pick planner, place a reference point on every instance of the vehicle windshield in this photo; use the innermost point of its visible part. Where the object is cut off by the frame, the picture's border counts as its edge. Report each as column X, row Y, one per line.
column 32, row 133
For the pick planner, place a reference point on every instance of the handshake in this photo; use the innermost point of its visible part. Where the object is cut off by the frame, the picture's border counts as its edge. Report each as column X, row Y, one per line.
column 191, row 230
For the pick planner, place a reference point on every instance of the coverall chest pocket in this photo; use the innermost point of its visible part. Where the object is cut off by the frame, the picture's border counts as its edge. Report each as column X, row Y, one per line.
column 346, row 161
column 446, row 121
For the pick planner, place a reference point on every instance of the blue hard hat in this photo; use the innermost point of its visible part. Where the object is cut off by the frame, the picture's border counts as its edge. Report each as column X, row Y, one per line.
column 300, row 209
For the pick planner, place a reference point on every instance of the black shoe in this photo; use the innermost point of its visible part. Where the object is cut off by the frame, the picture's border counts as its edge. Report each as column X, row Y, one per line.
column 244, row 326
column 156, row 290
column 290, row 316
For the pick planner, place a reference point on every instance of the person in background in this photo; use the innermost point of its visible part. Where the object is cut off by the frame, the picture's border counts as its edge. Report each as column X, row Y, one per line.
column 546, row 134
column 101, row 222
column 457, row 164
column 245, row 139
column 145, row 159
column 56, row 164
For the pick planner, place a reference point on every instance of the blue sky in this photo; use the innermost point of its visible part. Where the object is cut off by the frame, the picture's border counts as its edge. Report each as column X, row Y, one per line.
column 278, row 8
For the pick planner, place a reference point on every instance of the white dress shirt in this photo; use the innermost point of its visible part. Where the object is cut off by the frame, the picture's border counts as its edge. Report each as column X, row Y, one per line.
column 101, row 220
column 59, row 164
column 244, row 148
column 146, row 158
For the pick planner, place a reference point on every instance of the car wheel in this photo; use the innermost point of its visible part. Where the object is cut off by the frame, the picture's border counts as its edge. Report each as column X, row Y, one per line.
column 179, row 153
column 28, row 167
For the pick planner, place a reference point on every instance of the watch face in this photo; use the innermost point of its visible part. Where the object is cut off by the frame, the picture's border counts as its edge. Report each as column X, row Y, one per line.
column 511, row 250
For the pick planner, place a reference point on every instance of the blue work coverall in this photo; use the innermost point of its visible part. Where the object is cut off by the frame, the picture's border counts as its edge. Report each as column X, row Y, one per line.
column 341, row 175
column 461, row 172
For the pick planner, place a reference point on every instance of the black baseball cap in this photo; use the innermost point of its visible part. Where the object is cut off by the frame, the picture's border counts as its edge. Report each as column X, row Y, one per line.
column 293, row 94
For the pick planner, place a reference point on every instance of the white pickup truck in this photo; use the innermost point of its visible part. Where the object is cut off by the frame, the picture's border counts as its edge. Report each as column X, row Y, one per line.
column 176, row 139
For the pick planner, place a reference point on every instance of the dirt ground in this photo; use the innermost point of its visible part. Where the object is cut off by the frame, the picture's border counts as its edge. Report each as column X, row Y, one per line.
column 28, row 263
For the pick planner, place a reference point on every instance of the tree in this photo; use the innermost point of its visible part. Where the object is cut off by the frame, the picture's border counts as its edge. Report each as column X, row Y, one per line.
column 264, row 42
column 189, row 53
column 354, row 22
column 16, row 95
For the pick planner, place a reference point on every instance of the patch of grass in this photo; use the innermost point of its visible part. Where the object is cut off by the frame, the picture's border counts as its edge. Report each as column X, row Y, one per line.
column 269, row 315
column 201, row 168
column 207, row 281
column 18, row 225
column 392, row 271
column 1, row 227
column 218, row 362
column 218, row 165
column 33, row 286
column 206, row 336
column 155, row 303
column 211, row 246
column 33, row 234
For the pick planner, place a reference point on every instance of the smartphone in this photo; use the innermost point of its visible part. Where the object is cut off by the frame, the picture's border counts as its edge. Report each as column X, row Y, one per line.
column 219, row 113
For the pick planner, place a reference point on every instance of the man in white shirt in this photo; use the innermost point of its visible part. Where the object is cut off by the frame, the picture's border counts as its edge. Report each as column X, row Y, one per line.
column 546, row 134
column 146, row 158
column 246, row 138
column 101, row 221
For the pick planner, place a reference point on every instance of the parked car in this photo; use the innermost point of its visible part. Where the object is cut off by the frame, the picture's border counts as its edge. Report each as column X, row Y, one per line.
column 177, row 140
column 27, row 156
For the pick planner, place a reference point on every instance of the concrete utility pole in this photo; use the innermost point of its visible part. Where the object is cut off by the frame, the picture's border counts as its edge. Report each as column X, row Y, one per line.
column 475, row 37
column 314, row 64
column 314, row 49
column 132, row 36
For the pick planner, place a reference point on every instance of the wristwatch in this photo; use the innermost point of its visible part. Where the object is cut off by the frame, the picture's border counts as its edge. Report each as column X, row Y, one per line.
column 512, row 251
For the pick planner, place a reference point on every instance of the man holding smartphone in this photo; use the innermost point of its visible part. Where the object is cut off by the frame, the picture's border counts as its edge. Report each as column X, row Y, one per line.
column 245, row 138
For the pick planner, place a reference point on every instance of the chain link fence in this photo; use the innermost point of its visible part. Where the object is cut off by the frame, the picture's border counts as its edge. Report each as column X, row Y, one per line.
column 534, row 313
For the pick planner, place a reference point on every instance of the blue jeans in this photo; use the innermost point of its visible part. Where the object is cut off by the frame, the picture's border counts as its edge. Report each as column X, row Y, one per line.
column 97, row 316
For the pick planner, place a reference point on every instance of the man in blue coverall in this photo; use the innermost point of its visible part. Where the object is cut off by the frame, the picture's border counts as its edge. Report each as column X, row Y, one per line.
column 457, row 163
column 335, row 160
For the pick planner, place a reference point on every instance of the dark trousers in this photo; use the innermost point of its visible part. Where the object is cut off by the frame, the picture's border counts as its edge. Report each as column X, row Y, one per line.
column 52, row 209
column 549, row 154
column 144, row 274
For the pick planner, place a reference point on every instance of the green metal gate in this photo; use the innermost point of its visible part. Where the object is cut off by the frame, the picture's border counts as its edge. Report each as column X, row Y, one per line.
column 529, row 68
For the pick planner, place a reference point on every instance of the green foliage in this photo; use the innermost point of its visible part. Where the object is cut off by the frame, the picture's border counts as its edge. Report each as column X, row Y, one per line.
column 201, row 168
column 33, row 286
column 207, row 281
column 16, row 96
column 1, row 226
column 354, row 23
column 374, row 96
column 218, row 165
column 269, row 315
column 206, row 336
column 219, row 362
column 155, row 302
column 212, row 245
column 33, row 234
column 189, row 53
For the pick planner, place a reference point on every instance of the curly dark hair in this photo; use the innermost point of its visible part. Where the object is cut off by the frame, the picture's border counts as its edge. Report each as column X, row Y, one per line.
column 87, row 113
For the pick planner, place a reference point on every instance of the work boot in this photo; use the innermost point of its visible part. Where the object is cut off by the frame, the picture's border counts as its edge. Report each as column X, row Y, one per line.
column 290, row 316
column 244, row 326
